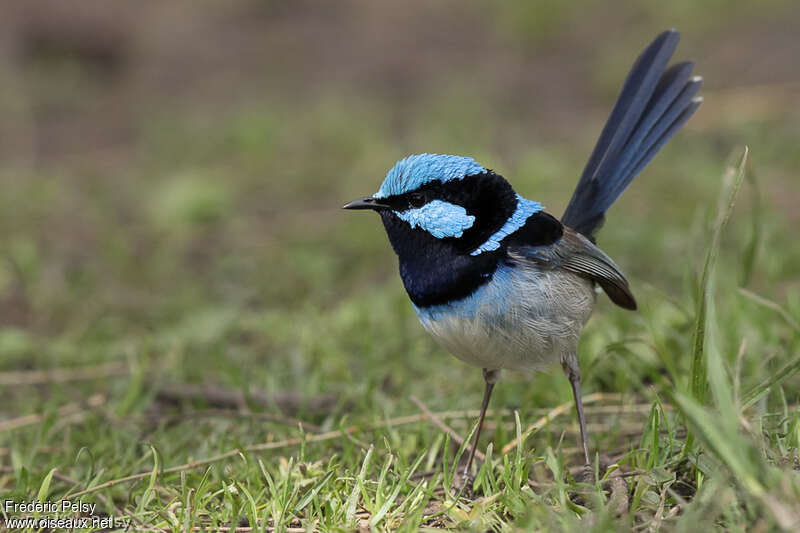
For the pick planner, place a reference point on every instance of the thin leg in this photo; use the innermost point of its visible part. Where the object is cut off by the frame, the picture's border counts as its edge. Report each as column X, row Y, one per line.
column 573, row 372
column 490, row 377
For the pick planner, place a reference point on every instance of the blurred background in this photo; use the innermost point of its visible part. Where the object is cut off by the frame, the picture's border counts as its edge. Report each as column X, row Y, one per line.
column 171, row 176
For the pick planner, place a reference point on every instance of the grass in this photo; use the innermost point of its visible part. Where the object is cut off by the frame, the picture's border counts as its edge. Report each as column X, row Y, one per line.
column 726, row 458
column 199, row 337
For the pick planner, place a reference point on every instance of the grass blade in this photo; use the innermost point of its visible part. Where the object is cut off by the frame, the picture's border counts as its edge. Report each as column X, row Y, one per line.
column 758, row 392
column 731, row 182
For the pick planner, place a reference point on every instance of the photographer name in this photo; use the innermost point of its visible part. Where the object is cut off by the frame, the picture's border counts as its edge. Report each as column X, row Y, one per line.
column 60, row 506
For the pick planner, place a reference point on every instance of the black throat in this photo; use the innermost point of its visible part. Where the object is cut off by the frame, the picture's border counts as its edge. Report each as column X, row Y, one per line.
column 437, row 271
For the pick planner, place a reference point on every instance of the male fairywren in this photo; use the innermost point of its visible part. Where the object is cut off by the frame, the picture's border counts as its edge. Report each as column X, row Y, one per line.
column 496, row 280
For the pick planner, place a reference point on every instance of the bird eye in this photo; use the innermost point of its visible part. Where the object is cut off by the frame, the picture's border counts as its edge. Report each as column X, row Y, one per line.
column 416, row 199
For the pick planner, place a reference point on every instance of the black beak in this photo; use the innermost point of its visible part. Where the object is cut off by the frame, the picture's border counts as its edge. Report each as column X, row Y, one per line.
column 368, row 202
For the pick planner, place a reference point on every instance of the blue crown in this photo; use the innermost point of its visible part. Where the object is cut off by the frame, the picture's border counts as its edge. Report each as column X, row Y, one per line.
column 415, row 171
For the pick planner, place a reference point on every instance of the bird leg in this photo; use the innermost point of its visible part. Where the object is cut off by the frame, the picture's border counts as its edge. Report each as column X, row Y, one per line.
column 490, row 377
column 573, row 372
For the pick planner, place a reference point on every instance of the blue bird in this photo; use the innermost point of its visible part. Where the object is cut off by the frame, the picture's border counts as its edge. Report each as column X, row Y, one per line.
column 495, row 279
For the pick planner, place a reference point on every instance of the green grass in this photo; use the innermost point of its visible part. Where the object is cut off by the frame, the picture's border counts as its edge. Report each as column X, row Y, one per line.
column 736, row 467
column 217, row 257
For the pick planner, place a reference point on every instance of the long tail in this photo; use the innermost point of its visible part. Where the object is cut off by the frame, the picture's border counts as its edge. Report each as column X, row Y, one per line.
column 651, row 108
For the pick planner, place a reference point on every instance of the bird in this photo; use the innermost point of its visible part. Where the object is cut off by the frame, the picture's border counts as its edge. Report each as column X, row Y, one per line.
column 494, row 278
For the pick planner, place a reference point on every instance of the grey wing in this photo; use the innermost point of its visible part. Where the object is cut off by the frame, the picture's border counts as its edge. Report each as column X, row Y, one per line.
column 575, row 253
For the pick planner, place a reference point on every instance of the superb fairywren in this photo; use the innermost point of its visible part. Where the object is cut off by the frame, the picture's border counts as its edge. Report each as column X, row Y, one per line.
column 495, row 279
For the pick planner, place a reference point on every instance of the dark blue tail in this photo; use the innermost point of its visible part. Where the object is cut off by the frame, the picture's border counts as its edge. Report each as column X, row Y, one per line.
column 651, row 108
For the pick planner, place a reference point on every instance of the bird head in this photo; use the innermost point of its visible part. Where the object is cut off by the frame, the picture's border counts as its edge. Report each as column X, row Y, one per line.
column 444, row 201
column 447, row 218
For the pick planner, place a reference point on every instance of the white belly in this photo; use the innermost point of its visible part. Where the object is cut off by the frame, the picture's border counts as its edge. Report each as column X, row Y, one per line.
column 524, row 319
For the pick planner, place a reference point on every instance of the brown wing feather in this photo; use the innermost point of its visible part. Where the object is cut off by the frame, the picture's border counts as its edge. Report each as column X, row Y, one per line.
column 589, row 260
column 575, row 253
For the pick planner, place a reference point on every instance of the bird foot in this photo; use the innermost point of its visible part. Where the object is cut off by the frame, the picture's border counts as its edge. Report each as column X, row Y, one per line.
column 614, row 485
column 586, row 474
column 584, row 477
column 464, row 482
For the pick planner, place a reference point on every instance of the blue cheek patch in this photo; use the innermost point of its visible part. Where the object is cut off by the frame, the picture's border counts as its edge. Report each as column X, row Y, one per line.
column 525, row 208
column 440, row 219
